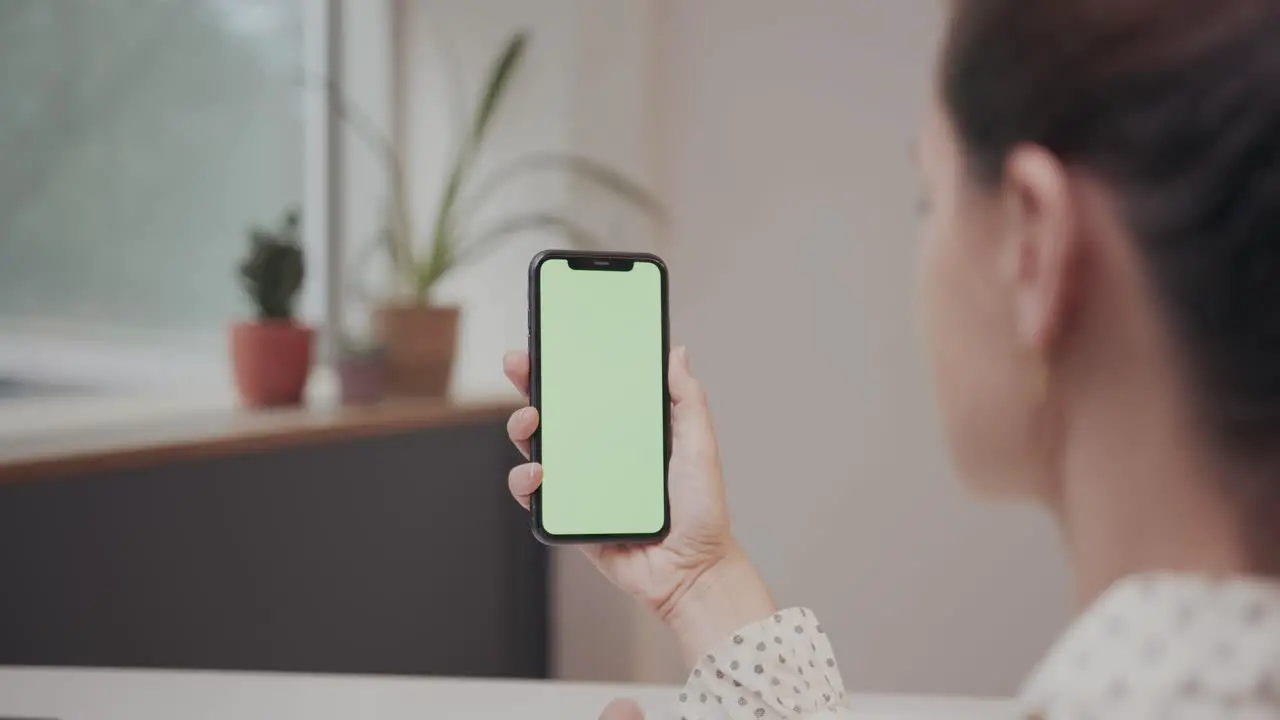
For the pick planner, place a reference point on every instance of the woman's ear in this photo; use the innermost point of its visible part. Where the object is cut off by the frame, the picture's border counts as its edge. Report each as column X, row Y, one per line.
column 1040, row 245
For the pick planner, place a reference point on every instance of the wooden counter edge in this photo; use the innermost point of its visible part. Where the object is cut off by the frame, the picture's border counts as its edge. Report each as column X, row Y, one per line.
column 228, row 432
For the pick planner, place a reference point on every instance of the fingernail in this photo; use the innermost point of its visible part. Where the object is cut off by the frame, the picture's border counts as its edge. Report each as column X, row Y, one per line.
column 684, row 358
column 534, row 469
column 526, row 414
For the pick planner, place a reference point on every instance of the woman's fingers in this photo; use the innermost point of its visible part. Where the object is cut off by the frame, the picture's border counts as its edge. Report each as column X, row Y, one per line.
column 523, row 480
column 515, row 364
column 622, row 710
column 521, row 426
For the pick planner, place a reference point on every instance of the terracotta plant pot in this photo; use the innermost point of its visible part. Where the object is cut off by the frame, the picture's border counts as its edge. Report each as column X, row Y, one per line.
column 362, row 378
column 272, row 361
column 421, row 342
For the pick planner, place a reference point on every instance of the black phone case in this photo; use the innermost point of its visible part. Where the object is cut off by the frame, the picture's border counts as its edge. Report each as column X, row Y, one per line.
column 535, row 392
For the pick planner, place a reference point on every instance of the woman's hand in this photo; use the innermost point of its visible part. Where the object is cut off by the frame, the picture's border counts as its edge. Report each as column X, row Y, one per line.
column 622, row 710
column 696, row 579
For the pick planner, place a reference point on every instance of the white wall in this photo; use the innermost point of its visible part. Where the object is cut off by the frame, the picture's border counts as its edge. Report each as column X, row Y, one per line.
column 779, row 135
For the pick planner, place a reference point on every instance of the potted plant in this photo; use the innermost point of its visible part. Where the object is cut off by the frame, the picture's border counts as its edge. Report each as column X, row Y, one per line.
column 421, row 336
column 362, row 370
column 271, row 356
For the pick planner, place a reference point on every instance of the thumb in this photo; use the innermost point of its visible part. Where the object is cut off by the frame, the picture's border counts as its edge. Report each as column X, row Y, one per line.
column 686, row 391
column 622, row 710
column 690, row 416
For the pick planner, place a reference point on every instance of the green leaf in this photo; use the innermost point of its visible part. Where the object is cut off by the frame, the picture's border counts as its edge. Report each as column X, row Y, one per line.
column 499, row 77
column 358, row 121
column 441, row 258
column 594, row 173
column 429, row 273
column 534, row 222
column 380, row 144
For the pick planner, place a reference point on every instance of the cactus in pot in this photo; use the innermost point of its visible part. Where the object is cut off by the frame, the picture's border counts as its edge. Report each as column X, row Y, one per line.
column 271, row 355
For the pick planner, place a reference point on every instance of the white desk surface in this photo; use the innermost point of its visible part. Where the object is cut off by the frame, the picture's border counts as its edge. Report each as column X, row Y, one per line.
column 60, row 694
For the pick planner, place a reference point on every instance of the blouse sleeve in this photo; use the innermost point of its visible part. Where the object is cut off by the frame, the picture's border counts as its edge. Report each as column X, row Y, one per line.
column 779, row 667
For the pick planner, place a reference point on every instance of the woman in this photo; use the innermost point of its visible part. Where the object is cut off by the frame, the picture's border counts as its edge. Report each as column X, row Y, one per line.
column 1101, row 289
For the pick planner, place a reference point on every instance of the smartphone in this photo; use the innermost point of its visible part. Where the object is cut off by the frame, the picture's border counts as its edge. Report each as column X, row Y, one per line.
column 598, row 350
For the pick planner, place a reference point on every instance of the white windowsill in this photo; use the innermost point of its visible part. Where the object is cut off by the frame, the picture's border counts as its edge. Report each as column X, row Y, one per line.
column 107, row 358
column 113, row 377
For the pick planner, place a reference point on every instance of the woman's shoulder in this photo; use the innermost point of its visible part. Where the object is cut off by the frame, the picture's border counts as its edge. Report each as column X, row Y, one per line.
column 1164, row 640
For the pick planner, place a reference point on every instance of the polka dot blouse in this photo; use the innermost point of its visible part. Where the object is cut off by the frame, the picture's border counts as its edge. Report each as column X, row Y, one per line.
column 1161, row 646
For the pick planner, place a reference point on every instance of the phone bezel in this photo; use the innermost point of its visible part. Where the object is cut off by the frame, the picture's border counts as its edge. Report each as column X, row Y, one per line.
column 535, row 391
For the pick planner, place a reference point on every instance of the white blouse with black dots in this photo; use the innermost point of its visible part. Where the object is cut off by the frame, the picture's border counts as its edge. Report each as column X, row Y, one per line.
column 1159, row 646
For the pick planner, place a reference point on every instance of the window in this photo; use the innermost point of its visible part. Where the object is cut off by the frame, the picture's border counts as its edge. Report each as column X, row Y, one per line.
column 141, row 139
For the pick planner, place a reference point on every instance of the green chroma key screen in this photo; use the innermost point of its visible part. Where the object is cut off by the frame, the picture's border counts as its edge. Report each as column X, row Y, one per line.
column 602, row 401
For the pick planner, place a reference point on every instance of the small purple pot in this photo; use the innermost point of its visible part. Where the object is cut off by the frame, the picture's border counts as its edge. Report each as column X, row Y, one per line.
column 362, row 378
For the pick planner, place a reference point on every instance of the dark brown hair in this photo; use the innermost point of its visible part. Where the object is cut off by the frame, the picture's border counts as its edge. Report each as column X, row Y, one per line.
column 1175, row 104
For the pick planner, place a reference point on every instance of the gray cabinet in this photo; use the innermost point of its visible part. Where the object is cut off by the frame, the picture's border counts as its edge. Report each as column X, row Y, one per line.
column 398, row 554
